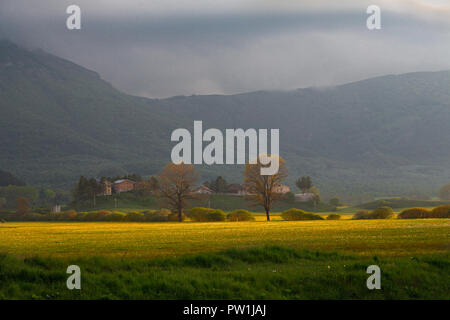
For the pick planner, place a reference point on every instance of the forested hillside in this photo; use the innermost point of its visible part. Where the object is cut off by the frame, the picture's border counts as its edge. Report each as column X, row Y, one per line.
column 382, row 136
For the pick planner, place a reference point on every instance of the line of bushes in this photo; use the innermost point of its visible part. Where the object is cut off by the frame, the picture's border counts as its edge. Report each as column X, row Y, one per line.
column 195, row 214
column 379, row 213
column 423, row 213
column 101, row 215
column 439, row 212
column 201, row 214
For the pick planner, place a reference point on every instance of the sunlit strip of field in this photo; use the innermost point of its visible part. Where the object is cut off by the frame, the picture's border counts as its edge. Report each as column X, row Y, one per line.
column 147, row 240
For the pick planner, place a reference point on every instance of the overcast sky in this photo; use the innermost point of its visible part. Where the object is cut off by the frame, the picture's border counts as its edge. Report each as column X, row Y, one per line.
column 161, row 48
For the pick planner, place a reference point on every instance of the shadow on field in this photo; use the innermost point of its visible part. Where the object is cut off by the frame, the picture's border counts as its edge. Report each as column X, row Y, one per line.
column 271, row 272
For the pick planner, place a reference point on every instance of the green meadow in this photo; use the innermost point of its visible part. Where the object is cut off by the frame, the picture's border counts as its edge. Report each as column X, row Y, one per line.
column 226, row 260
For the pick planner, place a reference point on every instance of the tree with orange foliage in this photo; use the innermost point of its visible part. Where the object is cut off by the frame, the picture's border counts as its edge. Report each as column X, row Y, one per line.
column 261, row 188
column 22, row 205
column 175, row 186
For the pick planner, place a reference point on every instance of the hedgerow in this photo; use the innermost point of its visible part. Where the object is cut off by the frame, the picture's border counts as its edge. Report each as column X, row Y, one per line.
column 297, row 214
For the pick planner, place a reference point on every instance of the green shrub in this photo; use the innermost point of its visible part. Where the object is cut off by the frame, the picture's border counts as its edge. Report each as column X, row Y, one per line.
column 157, row 215
column 216, row 215
column 379, row 213
column 240, row 215
column 135, row 217
column 382, row 213
column 414, row 213
column 198, row 214
column 334, row 216
column 297, row 214
column 361, row 214
column 115, row 216
column 441, row 211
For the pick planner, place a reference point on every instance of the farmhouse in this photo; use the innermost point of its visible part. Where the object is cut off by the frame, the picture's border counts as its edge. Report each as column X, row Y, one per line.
column 123, row 185
column 236, row 188
column 106, row 187
column 203, row 190
column 282, row 189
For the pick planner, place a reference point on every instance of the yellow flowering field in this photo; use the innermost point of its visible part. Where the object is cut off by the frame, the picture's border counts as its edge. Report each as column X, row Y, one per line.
column 363, row 237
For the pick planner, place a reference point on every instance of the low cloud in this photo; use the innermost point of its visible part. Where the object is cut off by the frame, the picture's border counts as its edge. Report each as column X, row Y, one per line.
column 159, row 49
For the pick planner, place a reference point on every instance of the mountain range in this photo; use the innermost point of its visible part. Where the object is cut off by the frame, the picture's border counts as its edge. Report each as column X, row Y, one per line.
column 385, row 136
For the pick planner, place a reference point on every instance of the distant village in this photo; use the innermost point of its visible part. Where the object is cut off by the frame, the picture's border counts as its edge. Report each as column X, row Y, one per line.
column 126, row 185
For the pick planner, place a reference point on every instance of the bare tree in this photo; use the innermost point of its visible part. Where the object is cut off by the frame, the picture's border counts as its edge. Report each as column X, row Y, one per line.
column 176, row 184
column 261, row 188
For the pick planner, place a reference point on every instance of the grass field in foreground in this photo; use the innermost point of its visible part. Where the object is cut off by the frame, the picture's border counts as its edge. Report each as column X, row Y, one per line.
column 240, row 260
column 148, row 240
column 257, row 273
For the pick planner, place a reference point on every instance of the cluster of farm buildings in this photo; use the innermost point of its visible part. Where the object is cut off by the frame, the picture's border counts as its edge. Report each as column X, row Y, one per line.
column 125, row 185
column 118, row 186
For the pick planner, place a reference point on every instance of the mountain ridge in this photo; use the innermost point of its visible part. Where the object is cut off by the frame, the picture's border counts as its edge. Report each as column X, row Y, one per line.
column 383, row 135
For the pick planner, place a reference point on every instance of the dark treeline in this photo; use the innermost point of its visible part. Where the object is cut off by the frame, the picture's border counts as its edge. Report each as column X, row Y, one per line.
column 8, row 179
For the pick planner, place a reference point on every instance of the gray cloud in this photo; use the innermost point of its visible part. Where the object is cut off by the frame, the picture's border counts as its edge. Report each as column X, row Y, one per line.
column 156, row 49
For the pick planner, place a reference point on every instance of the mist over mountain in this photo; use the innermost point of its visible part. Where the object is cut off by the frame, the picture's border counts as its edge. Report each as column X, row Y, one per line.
column 382, row 136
